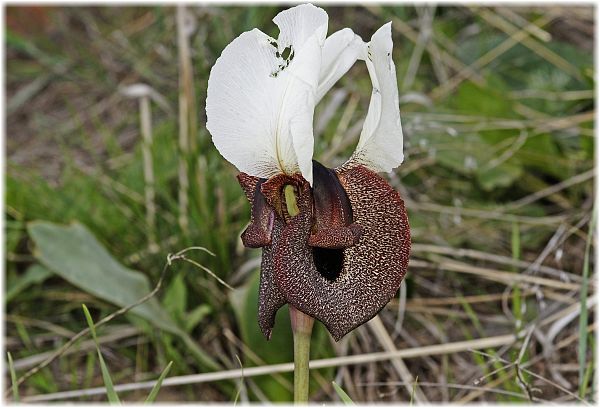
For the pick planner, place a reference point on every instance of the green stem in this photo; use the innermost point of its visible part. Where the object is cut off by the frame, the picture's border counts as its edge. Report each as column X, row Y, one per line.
column 302, row 325
column 302, row 329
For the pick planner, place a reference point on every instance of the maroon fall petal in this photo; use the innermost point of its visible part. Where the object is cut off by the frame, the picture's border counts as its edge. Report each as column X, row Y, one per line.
column 259, row 232
column 263, row 223
column 341, row 259
column 344, row 288
column 270, row 298
column 248, row 184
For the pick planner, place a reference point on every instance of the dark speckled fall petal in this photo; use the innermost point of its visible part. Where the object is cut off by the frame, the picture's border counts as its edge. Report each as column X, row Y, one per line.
column 270, row 298
column 341, row 259
column 371, row 270
column 260, row 230
column 248, row 184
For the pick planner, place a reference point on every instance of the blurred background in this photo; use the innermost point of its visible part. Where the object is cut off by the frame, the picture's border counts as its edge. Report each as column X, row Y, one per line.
column 110, row 169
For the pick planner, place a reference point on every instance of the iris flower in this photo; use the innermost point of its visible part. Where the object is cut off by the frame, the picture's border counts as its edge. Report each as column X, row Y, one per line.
column 342, row 257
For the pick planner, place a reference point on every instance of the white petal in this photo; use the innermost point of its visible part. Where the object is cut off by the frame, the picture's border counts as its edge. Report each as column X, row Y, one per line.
column 340, row 52
column 299, row 23
column 380, row 146
column 259, row 106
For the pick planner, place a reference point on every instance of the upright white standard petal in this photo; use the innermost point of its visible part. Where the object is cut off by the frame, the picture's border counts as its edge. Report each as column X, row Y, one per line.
column 380, row 146
column 340, row 52
column 262, row 95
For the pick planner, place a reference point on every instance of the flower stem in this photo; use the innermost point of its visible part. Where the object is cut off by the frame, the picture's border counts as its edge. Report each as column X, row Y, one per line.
column 302, row 325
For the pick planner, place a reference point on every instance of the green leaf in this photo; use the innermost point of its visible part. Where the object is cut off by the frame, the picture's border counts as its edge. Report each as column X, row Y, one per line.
column 195, row 316
column 541, row 152
column 342, row 394
column 13, row 378
column 33, row 275
column 470, row 154
column 75, row 254
column 175, row 299
column 502, row 175
column 463, row 153
column 489, row 100
column 156, row 388
column 110, row 389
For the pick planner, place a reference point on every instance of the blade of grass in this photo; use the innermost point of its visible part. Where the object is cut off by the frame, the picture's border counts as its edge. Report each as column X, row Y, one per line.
column 13, row 379
column 342, row 394
column 149, row 183
column 588, row 371
column 156, row 388
column 518, row 305
column 594, row 372
column 499, row 369
column 516, row 294
column 583, row 317
column 90, row 362
column 113, row 398
column 412, row 394
column 239, row 390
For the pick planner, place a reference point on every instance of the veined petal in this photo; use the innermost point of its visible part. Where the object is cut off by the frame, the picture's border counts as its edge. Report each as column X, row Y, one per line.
column 340, row 52
column 380, row 146
column 261, row 101
column 299, row 23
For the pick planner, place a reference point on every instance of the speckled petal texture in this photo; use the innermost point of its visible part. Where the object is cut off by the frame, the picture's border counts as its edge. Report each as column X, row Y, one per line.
column 372, row 269
column 270, row 298
column 343, row 280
